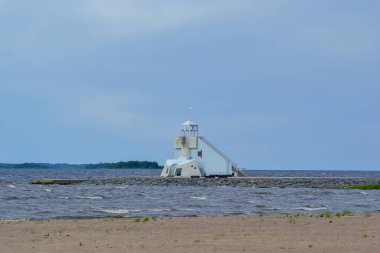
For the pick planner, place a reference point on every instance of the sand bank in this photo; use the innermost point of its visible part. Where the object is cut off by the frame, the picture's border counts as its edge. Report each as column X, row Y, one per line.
column 359, row 233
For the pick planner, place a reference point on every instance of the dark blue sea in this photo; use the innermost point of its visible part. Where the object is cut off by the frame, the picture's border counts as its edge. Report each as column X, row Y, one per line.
column 19, row 199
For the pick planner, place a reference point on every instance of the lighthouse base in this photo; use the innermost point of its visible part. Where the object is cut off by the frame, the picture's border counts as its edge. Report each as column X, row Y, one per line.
column 181, row 167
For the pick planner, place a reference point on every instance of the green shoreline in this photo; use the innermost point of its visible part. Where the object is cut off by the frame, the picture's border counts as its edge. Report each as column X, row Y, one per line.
column 367, row 187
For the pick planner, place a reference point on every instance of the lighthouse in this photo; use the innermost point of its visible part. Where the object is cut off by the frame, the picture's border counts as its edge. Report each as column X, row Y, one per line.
column 194, row 156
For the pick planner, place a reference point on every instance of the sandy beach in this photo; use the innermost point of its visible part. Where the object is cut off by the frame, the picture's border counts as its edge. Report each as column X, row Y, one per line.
column 358, row 233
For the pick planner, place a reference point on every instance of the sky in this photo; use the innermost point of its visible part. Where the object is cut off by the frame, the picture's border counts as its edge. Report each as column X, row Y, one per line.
column 275, row 84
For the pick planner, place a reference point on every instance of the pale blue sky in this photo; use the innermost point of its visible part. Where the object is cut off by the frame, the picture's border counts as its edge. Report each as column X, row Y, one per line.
column 286, row 84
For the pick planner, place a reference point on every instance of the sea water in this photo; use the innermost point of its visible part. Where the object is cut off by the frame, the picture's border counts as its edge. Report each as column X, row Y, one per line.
column 19, row 199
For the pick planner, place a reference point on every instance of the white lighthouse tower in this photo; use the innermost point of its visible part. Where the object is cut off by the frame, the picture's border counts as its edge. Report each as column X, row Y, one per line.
column 194, row 156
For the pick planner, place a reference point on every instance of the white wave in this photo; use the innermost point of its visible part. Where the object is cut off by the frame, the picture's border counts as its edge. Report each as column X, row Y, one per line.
column 200, row 197
column 15, row 220
column 89, row 197
column 115, row 211
column 47, row 190
column 11, row 186
column 309, row 208
column 122, row 187
column 364, row 193
column 187, row 209
column 63, row 197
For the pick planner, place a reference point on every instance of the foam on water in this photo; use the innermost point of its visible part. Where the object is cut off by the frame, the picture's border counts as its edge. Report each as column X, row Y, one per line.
column 89, row 197
column 122, row 187
column 11, row 186
column 115, row 211
column 14, row 220
column 304, row 208
column 199, row 198
column 81, row 197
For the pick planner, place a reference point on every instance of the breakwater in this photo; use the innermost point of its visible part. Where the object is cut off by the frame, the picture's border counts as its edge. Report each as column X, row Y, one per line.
column 259, row 182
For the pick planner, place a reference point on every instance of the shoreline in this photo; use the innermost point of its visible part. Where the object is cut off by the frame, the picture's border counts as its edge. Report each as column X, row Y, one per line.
column 301, row 213
column 268, row 233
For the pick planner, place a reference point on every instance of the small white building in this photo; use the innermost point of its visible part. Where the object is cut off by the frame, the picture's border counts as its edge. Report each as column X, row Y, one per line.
column 194, row 156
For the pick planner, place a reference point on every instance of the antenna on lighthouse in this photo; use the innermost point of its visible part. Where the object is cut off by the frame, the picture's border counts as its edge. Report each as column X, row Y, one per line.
column 190, row 108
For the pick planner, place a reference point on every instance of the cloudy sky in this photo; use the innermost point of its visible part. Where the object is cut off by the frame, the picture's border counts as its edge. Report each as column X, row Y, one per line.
column 275, row 84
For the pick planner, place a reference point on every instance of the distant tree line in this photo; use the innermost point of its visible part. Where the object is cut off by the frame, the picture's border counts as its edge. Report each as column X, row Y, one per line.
column 125, row 165
column 118, row 165
column 25, row 165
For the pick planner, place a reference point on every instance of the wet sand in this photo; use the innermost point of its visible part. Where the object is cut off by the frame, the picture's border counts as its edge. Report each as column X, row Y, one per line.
column 358, row 233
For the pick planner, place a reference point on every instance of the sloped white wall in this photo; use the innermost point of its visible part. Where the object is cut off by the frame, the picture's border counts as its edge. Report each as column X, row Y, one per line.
column 212, row 161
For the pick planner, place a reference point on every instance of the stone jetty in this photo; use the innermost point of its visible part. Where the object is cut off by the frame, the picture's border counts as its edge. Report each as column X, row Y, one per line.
column 259, row 182
column 58, row 181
